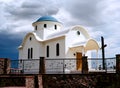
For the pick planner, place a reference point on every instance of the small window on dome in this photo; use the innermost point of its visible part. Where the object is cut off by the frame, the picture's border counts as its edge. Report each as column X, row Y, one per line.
column 45, row 25
column 55, row 27
column 36, row 27
column 78, row 32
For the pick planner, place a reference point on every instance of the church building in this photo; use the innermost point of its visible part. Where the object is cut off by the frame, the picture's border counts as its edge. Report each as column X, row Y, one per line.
column 50, row 40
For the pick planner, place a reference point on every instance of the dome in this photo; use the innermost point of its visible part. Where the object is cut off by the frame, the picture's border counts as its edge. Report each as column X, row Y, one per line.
column 47, row 18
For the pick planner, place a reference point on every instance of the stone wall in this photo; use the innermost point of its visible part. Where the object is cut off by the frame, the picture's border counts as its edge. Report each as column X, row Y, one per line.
column 26, row 81
column 34, row 81
column 81, row 81
column 40, row 81
column 13, row 81
column 4, row 66
column 30, row 81
column 62, row 81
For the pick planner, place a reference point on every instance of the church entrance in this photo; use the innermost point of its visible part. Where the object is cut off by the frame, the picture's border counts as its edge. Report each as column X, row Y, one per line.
column 79, row 61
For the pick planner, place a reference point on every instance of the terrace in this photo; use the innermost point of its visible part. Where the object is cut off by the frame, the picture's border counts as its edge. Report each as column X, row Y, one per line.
column 23, row 73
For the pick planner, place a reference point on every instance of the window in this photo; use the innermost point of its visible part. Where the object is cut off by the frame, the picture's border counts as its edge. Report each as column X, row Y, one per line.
column 55, row 26
column 30, row 38
column 28, row 53
column 45, row 25
column 47, row 51
column 78, row 32
column 57, row 49
column 31, row 53
column 36, row 27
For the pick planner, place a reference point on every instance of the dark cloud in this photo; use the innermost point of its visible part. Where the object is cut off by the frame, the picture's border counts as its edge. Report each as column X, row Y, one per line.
column 31, row 9
column 8, row 46
column 18, row 15
column 15, row 20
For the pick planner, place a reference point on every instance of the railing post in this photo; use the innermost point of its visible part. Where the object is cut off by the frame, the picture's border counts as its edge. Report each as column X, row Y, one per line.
column 42, row 65
column 63, row 66
column 84, row 65
column 23, row 67
column 118, row 63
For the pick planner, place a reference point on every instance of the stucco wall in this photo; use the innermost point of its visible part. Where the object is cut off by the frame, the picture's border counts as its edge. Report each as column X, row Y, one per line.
column 33, row 43
column 71, row 39
column 50, row 28
column 52, row 55
column 52, row 47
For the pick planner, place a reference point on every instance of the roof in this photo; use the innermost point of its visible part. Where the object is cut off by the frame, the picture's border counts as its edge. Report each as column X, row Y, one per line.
column 90, row 44
column 58, row 34
column 65, row 31
column 47, row 18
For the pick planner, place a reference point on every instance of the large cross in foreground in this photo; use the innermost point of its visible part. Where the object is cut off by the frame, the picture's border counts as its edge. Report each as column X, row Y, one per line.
column 103, row 51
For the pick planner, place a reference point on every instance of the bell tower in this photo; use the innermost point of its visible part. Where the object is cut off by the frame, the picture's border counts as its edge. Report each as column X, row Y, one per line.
column 45, row 26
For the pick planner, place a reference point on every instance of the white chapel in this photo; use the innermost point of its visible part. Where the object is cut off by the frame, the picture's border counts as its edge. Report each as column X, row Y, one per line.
column 50, row 40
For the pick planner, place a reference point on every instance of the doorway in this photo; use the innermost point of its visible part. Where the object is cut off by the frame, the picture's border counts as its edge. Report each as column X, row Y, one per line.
column 79, row 61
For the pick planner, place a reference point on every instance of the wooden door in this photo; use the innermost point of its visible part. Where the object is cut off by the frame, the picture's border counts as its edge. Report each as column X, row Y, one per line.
column 79, row 61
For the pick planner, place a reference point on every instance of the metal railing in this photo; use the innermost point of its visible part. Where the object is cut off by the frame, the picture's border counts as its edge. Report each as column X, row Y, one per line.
column 62, row 66
column 97, row 64
column 25, row 66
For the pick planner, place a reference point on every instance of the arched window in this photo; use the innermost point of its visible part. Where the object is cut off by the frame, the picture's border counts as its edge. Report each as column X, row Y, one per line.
column 45, row 25
column 55, row 27
column 30, row 38
column 47, row 51
column 31, row 53
column 28, row 53
column 57, row 49
column 78, row 32
column 36, row 27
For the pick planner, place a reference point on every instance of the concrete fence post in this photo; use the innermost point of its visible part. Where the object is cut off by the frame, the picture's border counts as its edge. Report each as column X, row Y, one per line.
column 34, row 81
column 30, row 82
column 42, row 65
column 40, row 81
column 118, row 63
column 84, row 65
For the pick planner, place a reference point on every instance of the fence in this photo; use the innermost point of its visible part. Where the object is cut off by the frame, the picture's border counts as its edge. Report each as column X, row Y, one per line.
column 25, row 66
column 62, row 65
column 96, row 64
column 71, row 65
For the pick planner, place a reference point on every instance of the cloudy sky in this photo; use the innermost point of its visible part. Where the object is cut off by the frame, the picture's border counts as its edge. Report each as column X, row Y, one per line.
column 99, row 17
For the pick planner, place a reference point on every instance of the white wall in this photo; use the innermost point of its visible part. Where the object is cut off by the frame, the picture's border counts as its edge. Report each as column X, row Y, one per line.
column 44, row 32
column 52, row 47
column 38, row 48
column 72, row 37
column 57, row 63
